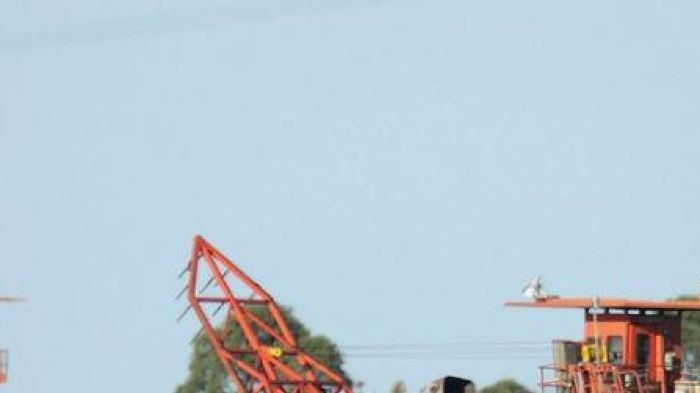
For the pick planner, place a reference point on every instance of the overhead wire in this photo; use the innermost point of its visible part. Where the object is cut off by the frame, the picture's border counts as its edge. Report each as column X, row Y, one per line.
column 447, row 351
column 170, row 22
column 449, row 344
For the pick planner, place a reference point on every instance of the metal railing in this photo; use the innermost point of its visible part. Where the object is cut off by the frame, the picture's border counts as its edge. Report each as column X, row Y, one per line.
column 560, row 379
column 591, row 378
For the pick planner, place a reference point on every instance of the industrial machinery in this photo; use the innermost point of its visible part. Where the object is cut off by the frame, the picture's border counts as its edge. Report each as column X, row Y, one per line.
column 267, row 359
column 3, row 365
column 629, row 346
column 3, row 352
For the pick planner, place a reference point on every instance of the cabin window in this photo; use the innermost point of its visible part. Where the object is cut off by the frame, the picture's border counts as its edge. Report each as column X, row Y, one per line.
column 643, row 349
column 615, row 350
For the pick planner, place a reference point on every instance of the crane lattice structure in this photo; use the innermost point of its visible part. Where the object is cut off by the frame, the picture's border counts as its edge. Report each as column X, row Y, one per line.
column 267, row 359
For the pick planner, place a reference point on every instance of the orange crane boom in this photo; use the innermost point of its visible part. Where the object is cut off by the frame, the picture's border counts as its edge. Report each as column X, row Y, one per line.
column 268, row 359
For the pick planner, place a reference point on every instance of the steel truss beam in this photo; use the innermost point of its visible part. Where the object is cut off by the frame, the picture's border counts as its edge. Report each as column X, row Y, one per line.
column 267, row 359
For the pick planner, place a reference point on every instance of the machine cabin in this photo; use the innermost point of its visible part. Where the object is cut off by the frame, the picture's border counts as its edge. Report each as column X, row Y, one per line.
column 628, row 346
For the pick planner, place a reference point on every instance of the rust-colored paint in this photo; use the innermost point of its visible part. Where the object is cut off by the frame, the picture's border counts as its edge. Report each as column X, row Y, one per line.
column 3, row 353
column 3, row 366
column 636, row 322
column 269, row 360
column 584, row 303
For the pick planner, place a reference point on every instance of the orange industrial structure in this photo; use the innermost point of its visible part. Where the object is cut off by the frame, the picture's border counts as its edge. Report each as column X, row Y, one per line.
column 629, row 346
column 3, row 366
column 3, row 352
column 268, row 359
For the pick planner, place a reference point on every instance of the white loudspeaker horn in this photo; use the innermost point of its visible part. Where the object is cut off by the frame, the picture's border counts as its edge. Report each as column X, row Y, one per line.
column 534, row 289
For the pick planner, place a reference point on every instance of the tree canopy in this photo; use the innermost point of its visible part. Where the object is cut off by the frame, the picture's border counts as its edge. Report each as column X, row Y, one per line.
column 206, row 375
column 399, row 387
column 507, row 385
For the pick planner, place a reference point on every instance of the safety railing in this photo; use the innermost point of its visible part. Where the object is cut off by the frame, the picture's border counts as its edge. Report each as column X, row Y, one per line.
column 556, row 377
column 591, row 378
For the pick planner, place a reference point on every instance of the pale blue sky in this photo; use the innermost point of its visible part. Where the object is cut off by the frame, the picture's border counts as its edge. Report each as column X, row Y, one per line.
column 394, row 170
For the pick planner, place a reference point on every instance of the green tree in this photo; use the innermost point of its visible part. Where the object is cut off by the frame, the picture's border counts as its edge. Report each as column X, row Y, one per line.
column 206, row 375
column 399, row 387
column 505, row 386
column 691, row 330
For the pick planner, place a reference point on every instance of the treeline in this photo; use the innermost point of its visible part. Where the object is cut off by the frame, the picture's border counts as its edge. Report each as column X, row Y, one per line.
column 507, row 385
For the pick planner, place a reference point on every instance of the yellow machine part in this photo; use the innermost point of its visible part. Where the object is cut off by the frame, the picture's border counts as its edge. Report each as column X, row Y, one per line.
column 275, row 352
column 590, row 353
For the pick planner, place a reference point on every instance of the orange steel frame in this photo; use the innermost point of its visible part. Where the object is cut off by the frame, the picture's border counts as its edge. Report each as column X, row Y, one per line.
column 276, row 366
column 3, row 352
column 3, row 366
column 660, row 321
